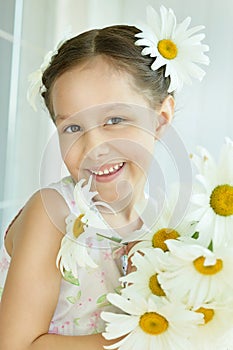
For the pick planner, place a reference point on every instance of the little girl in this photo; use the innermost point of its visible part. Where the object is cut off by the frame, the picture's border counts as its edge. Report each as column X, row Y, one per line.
column 109, row 107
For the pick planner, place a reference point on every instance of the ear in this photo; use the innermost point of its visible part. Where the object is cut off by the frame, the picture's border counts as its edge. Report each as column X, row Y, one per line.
column 165, row 115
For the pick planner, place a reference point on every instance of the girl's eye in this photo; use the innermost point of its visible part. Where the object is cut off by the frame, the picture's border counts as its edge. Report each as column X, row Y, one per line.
column 72, row 128
column 114, row 120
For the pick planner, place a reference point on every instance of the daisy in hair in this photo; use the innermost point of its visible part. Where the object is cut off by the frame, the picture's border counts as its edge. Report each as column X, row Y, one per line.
column 174, row 46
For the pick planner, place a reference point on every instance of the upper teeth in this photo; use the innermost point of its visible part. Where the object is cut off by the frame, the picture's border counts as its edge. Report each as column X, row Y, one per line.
column 108, row 170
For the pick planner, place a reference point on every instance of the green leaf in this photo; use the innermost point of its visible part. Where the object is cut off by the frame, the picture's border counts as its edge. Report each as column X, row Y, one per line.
column 76, row 321
column 195, row 235
column 210, row 247
column 79, row 295
column 69, row 277
column 118, row 289
column 67, row 180
column 101, row 299
column 72, row 300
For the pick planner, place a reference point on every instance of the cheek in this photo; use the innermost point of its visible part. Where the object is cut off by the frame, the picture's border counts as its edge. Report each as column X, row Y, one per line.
column 143, row 160
column 69, row 145
column 138, row 153
column 143, row 154
column 140, row 146
column 72, row 157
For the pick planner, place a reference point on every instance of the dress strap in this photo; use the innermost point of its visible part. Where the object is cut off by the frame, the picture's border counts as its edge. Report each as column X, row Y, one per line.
column 65, row 188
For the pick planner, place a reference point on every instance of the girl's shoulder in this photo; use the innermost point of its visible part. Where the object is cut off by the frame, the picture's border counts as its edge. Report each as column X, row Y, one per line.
column 44, row 213
column 33, row 280
column 65, row 187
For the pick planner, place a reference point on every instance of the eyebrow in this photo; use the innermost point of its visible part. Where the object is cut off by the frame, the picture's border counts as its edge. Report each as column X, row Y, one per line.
column 106, row 108
column 60, row 117
column 116, row 106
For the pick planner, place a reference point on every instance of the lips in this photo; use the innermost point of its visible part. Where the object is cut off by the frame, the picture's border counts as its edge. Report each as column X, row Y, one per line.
column 107, row 172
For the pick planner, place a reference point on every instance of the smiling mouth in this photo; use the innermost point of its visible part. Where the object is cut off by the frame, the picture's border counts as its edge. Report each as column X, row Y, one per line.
column 108, row 170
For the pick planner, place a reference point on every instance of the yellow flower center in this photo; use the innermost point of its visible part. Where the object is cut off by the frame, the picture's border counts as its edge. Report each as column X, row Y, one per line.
column 221, row 200
column 153, row 323
column 208, row 314
column 207, row 270
column 155, row 286
column 159, row 238
column 167, row 49
column 78, row 226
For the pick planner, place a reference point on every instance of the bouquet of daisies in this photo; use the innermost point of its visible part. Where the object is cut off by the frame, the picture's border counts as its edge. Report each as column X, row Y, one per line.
column 181, row 294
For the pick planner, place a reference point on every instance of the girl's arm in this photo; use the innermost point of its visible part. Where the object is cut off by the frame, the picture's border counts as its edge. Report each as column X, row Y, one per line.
column 32, row 287
column 61, row 342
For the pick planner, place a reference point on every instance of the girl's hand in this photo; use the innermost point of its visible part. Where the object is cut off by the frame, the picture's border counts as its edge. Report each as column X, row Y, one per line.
column 130, row 267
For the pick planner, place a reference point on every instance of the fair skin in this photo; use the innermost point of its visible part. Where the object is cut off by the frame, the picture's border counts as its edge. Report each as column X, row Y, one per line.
column 100, row 126
column 33, row 241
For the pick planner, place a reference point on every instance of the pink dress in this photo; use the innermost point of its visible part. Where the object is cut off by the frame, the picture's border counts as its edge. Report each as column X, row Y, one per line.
column 82, row 298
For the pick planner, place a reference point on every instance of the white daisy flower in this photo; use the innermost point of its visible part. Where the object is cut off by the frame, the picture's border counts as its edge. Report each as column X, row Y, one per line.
column 173, row 45
column 85, row 205
column 80, row 227
column 225, row 342
column 144, row 281
column 35, row 78
column 195, row 275
column 217, row 320
column 162, row 230
column 73, row 254
column 152, row 324
column 214, row 199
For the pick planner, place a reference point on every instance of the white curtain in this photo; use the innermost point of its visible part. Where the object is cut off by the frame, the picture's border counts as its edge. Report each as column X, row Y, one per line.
column 203, row 112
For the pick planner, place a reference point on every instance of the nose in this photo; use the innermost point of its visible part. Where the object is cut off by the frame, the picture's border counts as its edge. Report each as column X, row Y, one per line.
column 96, row 144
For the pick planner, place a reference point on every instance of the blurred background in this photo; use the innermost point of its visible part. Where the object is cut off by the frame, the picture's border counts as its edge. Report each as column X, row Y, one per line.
column 30, row 28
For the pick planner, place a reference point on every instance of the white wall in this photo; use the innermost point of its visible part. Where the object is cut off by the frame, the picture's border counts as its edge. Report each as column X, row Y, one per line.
column 203, row 114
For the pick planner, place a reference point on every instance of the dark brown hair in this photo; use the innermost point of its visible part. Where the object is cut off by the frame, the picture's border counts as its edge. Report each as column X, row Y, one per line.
column 117, row 44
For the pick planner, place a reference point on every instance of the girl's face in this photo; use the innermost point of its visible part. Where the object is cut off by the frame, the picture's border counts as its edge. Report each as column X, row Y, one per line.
column 106, row 128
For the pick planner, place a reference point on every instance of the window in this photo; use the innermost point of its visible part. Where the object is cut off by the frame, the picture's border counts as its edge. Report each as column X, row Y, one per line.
column 24, row 39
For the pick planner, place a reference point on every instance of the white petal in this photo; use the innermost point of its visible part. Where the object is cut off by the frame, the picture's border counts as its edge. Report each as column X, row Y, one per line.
column 201, row 199
column 158, row 62
column 35, row 80
column 137, row 341
column 176, row 82
column 197, row 214
column 154, row 21
column 205, row 182
column 206, row 221
column 127, row 305
column 119, row 324
column 120, row 344
column 181, row 28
